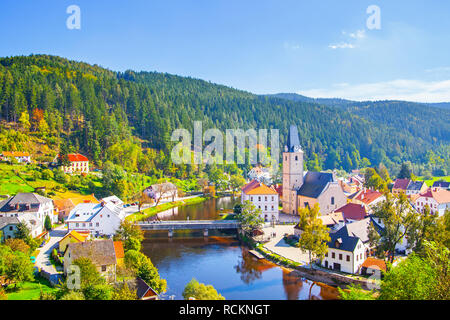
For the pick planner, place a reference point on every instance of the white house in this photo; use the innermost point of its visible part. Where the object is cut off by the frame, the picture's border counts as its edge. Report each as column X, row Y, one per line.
column 437, row 199
column 21, row 157
column 77, row 163
column 102, row 218
column 29, row 207
column 349, row 247
column 345, row 253
column 262, row 197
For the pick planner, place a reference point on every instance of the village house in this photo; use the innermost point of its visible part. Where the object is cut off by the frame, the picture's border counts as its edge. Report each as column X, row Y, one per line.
column 438, row 200
column 98, row 219
column 262, row 197
column 72, row 237
column 30, row 208
column 143, row 290
column 261, row 174
column 21, row 157
column 100, row 252
column 353, row 212
column 345, row 252
column 349, row 247
column 369, row 198
column 400, row 186
column 305, row 190
column 166, row 191
column 441, row 185
column 374, row 267
column 416, row 187
column 77, row 163
column 63, row 208
column 8, row 228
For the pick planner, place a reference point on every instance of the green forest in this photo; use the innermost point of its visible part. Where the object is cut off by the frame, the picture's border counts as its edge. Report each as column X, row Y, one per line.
column 128, row 117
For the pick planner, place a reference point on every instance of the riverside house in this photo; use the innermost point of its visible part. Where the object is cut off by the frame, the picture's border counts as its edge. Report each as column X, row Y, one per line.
column 263, row 197
column 100, row 252
column 21, row 157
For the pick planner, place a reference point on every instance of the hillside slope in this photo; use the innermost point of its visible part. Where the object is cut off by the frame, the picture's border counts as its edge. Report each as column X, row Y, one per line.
column 101, row 113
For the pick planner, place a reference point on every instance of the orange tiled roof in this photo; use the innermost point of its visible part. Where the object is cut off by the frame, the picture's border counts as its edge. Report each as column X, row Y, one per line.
column 76, row 236
column 374, row 263
column 15, row 154
column 262, row 189
column 63, row 203
column 118, row 248
column 84, row 199
column 76, row 157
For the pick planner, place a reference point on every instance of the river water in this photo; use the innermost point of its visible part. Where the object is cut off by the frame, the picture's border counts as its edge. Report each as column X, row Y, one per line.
column 221, row 261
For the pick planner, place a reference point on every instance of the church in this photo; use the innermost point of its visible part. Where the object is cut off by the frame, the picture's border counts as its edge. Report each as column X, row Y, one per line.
column 306, row 189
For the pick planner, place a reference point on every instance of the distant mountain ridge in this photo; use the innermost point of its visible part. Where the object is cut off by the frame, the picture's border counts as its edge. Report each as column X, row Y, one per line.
column 338, row 102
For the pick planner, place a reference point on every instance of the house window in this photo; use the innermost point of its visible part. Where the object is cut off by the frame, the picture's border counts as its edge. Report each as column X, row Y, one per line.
column 265, row 198
column 296, row 158
column 332, row 200
column 272, row 198
column 265, row 208
column 97, row 224
column 251, row 198
column 340, row 256
column 348, row 258
column 326, row 254
column 259, row 198
column 272, row 208
column 103, row 268
column 332, row 255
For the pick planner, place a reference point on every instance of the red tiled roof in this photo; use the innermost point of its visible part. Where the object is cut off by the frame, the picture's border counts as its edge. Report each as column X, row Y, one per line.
column 76, row 157
column 369, row 196
column 249, row 186
column 353, row 211
column 401, row 184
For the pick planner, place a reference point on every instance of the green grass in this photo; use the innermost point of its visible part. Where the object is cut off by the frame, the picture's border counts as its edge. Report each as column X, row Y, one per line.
column 30, row 290
column 150, row 212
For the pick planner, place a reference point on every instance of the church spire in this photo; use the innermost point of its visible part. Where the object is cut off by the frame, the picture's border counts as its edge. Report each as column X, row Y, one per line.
column 293, row 142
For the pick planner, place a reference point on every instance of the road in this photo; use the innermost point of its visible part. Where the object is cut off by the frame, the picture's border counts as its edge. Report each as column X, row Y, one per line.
column 43, row 258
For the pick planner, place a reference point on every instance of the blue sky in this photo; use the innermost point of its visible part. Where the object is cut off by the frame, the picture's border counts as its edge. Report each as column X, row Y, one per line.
column 317, row 48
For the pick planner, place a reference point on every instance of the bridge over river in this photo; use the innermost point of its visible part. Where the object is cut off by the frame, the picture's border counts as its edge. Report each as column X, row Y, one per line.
column 205, row 225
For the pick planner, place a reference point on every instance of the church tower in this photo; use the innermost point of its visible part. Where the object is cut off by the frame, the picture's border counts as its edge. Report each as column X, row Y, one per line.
column 292, row 171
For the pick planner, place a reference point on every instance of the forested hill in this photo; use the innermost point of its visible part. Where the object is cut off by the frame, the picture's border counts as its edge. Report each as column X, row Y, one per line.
column 110, row 115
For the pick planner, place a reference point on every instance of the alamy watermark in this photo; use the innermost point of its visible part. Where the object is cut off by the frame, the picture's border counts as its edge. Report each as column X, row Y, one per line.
column 74, row 20
column 228, row 150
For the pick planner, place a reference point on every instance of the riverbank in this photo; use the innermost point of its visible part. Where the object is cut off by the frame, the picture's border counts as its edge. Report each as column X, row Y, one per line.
column 150, row 212
column 284, row 255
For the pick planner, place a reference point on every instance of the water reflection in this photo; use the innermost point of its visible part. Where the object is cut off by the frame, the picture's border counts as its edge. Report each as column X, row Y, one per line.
column 223, row 262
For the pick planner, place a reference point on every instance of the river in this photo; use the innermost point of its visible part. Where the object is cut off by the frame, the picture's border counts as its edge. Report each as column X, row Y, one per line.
column 221, row 261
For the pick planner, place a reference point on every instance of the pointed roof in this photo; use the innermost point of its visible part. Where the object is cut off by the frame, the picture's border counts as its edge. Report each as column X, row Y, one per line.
column 353, row 211
column 292, row 140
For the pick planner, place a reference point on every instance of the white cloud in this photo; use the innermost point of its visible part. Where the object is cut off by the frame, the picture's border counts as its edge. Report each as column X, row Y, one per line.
column 400, row 89
column 342, row 45
column 357, row 36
